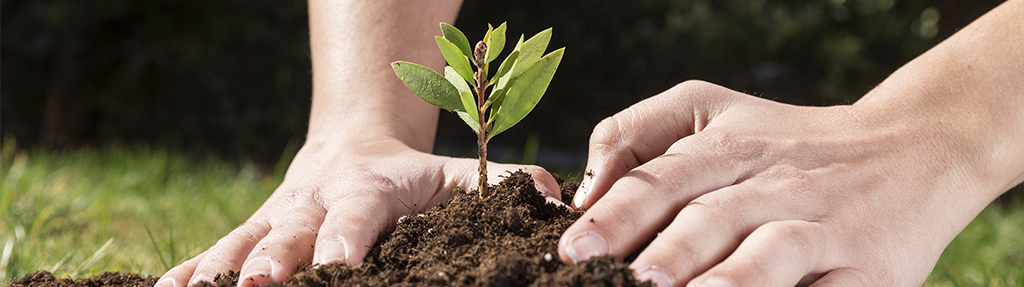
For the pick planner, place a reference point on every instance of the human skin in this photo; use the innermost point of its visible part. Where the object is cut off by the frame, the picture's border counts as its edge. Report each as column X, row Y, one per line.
column 366, row 160
column 734, row 190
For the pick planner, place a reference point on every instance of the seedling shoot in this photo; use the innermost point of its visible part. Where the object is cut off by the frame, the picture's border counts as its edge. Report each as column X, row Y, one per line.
column 515, row 88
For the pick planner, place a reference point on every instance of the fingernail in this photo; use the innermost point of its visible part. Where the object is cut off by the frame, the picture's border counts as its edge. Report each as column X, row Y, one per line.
column 554, row 201
column 655, row 276
column 715, row 282
column 256, row 273
column 582, row 192
column 202, row 278
column 332, row 251
column 586, row 246
column 166, row 282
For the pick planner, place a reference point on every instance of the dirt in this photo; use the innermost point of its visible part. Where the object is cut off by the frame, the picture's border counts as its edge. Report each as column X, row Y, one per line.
column 45, row 279
column 507, row 239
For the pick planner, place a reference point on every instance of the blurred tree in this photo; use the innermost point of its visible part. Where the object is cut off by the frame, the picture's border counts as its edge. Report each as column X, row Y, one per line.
column 228, row 76
column 233, row 77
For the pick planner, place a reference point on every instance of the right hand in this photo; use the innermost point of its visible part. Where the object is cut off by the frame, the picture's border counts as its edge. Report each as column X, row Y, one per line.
column 332, row 205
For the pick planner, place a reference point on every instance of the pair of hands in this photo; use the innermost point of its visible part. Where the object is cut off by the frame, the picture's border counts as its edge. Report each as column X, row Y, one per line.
column 734, row 190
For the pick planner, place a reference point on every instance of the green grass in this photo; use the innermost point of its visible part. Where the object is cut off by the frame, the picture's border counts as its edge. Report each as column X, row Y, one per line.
column 81, row 212
column 989, row 252
column 85, row 211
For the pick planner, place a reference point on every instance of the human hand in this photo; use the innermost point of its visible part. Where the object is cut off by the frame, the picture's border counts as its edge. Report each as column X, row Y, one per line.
column 332, row 205
column 734, row 190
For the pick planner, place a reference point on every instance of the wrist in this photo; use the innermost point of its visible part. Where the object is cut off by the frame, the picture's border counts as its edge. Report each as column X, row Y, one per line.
column 334, row 145
column 974, row 145
column 411, row 123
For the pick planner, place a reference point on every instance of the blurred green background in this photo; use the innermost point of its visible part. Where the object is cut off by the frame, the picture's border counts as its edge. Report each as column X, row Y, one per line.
column 162, row 103
column 233, row 77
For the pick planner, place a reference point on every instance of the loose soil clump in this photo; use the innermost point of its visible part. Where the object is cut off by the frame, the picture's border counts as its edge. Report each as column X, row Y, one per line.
column 506, row 239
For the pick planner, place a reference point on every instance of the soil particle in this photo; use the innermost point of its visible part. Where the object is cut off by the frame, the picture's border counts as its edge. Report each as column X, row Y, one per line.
column 507, row 239
column 45, row 279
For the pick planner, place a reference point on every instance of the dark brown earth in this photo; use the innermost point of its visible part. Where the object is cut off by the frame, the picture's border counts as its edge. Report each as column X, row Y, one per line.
column 507, row 239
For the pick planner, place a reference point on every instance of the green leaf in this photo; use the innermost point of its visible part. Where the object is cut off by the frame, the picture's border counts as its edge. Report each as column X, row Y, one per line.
column 524, row 94
column 487, row 36
column 496, row 43
column 506, row 66
column 506, row 78
column 458, row 38
column 495, row 101
column 455, row 58
column 469, row 103
column 503, row 75
column 530, row 52
column 469, row 112
column 519, row 44
column 455, row 79
column 428, row 85
column 469, row 121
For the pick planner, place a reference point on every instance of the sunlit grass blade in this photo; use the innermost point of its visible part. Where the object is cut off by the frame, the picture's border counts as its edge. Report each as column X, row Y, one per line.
column 99, row 253
column 156, row 248
column 5, row 257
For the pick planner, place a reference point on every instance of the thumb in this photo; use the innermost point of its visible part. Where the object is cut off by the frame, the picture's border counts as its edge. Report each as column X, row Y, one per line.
column 646, row 130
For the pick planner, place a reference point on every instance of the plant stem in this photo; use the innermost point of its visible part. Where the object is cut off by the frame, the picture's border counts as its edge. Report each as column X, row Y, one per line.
column 481, row 147
column 481, row 140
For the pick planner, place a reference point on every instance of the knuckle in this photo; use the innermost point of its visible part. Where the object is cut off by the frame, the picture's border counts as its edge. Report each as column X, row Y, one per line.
column 800, row 233
column 790, row 179
column 372, row 180
column 694, row 89
column 781, row 230
column 302, row 194
column 691, row 85
column 247, row 233
column 723, row 206
column 607, row 132
column 734, row 147
column 679, row 249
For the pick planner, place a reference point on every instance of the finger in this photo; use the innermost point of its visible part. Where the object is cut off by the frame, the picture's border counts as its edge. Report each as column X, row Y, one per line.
column 842, row 278
column 351, row 227
column 289, row 244
column 644, row 201
column 229, row 252
column 645, row 131
column 705, row 232
column 179, row 275
column 778, row 253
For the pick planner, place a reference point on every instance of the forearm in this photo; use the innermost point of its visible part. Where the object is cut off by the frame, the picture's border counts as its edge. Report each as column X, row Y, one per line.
column 966, row 96
column 356, row 96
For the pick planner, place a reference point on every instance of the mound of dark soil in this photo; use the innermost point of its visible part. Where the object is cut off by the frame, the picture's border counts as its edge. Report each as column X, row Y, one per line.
column 45, row 279
column 507, row 239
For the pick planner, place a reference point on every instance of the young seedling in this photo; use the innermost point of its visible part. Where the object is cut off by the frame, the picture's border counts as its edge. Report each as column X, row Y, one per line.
column 515, row 88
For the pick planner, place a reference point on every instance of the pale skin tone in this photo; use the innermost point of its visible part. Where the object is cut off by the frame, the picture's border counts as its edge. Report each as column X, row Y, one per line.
column 366, row 161
column 732, row 189
column 736, row 190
